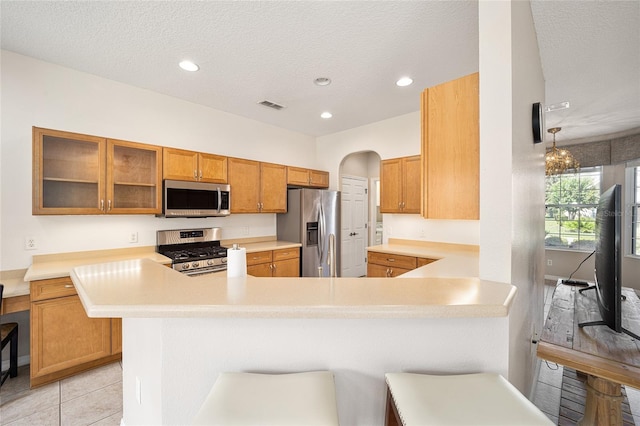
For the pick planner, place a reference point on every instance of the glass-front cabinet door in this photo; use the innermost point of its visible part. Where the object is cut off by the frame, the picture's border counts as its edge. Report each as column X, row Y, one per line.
column 68, row 173
column 134, row 178
column 83, row 174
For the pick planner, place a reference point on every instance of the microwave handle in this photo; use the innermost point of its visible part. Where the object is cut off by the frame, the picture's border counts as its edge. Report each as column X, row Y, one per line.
column 219, row 199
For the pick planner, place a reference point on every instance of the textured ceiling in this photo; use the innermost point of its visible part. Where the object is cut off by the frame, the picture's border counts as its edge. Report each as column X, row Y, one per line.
column 273, row 50
column 590, row 52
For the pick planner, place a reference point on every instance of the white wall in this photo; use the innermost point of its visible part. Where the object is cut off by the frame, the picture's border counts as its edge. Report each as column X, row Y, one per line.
column 36, row 93
column 358, row 353
column 512, row 173
column 395, row 137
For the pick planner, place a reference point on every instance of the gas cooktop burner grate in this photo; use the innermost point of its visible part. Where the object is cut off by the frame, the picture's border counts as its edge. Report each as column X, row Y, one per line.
column 193, row 251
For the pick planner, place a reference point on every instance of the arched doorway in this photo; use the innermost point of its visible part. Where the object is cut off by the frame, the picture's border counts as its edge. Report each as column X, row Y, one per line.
column 359, row 180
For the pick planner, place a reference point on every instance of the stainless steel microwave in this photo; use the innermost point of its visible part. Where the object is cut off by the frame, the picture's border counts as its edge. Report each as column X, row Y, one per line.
column 195, row 199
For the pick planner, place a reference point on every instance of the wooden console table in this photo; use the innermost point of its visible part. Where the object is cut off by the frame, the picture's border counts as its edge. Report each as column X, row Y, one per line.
column 608, row 358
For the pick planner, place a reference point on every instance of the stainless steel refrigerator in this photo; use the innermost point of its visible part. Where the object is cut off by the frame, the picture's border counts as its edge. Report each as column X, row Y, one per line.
column 313, row 219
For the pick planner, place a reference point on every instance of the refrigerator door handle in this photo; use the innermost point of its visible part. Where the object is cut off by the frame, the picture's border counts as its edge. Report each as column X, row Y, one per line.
column 322, row 225
column 319, row 243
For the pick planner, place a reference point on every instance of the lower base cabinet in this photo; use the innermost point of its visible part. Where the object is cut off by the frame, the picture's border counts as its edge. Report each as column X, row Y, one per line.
column 274, row 263
column 387, row 265
column 64, row 340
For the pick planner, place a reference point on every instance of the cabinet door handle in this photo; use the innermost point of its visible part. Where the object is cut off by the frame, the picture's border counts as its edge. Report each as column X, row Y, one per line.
column 68, row 286
column 200, row 174
column 390, row 259
column 102, row 205
column 109, row 206
column 195, row 174
column 390, row 273
column 274, row 266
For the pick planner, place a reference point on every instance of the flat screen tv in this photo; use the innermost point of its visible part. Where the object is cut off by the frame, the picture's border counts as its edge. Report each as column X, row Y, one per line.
column 608, row 261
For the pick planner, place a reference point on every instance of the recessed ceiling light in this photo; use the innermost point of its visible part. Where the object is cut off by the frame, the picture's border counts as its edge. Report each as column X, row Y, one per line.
column 189, row 66
column 326, row 114
column 404, row 81
column 322, row 81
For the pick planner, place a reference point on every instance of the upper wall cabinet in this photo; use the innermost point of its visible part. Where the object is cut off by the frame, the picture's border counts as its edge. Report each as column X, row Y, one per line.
column 451, row 150
column 83, row 174
column 257, row 187
column 400, row 185
column 179, row 164
column 297, row 176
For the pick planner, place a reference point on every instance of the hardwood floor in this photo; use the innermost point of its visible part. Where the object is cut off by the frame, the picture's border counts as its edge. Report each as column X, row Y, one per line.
column 560, row 392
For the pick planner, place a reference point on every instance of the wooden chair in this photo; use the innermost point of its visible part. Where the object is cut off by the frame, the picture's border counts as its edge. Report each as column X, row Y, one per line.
column 9, row 334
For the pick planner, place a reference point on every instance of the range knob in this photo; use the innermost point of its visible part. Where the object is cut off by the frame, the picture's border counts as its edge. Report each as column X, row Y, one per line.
column 185, row 266
column 210, row 262
column 195, row 264
column 223, row 260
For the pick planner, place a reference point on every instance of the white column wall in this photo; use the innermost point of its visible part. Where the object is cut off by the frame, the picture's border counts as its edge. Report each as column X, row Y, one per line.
column 512, row 173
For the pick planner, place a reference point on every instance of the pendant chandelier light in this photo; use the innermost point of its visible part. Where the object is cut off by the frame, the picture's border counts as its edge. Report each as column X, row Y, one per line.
column 558, row 161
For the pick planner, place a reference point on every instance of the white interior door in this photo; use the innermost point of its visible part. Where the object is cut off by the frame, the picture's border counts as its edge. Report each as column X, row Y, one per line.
column 354, row 226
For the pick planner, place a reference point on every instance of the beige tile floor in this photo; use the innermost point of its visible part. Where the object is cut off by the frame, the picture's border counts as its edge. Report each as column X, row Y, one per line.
column 90, row 398
column 548, row 389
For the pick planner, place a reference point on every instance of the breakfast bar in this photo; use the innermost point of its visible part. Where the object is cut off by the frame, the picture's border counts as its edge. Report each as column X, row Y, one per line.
column 180, row 332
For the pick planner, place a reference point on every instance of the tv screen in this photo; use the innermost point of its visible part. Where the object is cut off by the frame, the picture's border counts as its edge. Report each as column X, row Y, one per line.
column 608, row 261
column 608, row 257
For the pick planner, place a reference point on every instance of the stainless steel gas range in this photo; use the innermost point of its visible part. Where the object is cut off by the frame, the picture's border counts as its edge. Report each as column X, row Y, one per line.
column 193, row 251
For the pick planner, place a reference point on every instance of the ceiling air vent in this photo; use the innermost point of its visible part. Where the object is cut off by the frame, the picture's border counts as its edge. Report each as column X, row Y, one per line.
column 271, row 105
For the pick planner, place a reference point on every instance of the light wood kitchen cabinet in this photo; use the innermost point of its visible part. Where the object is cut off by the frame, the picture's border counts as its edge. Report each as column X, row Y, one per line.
column 84, row 174
column 391, row 265
column 400, row 185
column 257, row 187
column 274, row 263
column 64, row 341
column 180, row 164
column 451, row 150
column 308, row 178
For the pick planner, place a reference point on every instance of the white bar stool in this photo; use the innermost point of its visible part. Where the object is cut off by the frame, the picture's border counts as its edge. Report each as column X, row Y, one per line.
column 250, row 399
column 467, row 399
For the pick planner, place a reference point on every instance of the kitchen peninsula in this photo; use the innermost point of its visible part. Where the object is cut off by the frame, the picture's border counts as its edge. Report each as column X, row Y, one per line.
column 179, row 332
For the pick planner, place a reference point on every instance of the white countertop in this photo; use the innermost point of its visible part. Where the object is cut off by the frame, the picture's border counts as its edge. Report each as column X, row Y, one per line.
column 60, row 265
column 453, row 260
column 143, row 288
column 14, row 284
column 269, row 245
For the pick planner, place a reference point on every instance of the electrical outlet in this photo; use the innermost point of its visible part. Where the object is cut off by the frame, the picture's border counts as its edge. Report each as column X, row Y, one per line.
column 549, row 262
column 30, row 243
column 133, row 237
column 245, row 230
